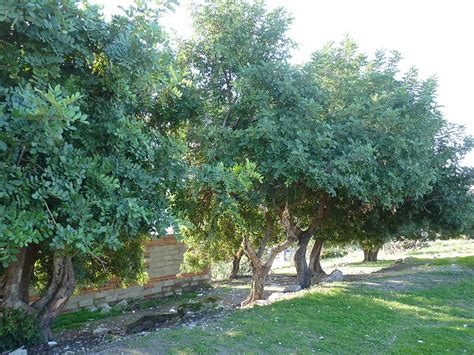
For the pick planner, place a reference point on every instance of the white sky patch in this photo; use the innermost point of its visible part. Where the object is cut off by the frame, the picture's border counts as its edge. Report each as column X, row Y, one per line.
column 435, row 36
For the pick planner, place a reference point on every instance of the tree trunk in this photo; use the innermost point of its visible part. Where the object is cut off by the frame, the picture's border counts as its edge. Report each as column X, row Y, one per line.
column 60, row 288
column 370, row 254
column 236, row 264
column 303, row 273
column 315, row 257
column 12, row 294
column 258, row 282
column 260, row 268
column 17, row 283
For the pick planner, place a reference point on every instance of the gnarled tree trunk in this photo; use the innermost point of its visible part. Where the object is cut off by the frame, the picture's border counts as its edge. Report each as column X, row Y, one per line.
column 260, row 268
column 236, row 264
column 17, row 283
column 303, row 273
column 371, row 254
column 315, row 257
column 258, row 284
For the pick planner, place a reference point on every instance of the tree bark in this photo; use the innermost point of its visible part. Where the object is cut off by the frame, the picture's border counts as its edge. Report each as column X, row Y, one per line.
column 17, row 283
column 236, row 264
column 260, row 268
column 258, row 284
column 12, row 295
column 60, row 288
column 371, row 254
column 315, row 257
column 303, row 273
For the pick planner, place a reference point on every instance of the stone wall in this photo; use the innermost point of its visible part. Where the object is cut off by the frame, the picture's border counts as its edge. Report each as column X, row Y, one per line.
column 163, row 257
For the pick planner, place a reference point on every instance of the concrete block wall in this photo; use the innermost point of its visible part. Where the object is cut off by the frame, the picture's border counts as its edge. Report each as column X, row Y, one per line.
column 163, row 258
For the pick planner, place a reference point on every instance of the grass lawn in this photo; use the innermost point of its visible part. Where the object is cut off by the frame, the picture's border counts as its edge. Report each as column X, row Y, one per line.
column 425, row 307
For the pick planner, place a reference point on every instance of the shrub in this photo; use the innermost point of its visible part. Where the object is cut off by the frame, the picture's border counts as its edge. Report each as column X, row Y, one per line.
column 333, row 252
column 17, row 328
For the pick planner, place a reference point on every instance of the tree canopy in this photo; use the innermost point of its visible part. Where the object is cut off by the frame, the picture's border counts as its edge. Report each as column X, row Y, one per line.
column 84, row 175
column 108, row 135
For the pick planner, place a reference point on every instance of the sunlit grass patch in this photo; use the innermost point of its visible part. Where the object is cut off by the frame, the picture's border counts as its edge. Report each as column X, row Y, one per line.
column 344, row 318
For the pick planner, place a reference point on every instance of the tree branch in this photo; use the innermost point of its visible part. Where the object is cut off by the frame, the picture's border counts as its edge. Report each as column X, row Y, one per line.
column 254, row 259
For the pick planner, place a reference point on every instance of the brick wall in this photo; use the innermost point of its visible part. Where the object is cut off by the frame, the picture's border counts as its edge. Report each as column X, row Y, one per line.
column 163, row 258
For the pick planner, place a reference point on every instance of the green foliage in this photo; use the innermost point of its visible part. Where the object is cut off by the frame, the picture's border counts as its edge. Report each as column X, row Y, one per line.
column 333, row 251
column 86, row 167
column 17, row 328
column 343, row 130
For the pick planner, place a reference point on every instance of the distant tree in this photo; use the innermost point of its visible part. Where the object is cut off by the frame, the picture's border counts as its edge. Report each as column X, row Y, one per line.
column 85, row 164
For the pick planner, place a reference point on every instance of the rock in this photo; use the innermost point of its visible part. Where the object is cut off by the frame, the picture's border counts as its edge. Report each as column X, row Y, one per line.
column 172, row 310
column 150, row 322
column 92, row 309
column 100, row 330
column 335, row 276
column 121, row 305
column 260, row 303
column 104, row 308
column 52, row 343
column 292, row 288
column 275, row 296
column 19, row 351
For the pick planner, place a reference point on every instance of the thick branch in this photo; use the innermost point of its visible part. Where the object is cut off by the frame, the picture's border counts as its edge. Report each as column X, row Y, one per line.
column 267, row 235
column 254, row 259
column 317, row 219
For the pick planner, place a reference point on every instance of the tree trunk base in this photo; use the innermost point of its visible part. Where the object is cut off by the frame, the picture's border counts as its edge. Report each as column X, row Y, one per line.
column 258, row 284
column 371, row 255
column 315, row 258
column 303, row 273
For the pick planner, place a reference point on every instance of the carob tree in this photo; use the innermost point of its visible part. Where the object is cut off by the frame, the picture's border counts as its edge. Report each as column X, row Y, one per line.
column 83, row 174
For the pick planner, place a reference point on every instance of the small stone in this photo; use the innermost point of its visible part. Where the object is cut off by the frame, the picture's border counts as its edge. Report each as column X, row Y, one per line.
column 420, row 341
column 292, row 288
column 92, row 309
column 173, row 310
column 335, row 276
column 260, row 303
column 122, row 304
column 100, row 330
column 275, row 296
column 52, row 343
column 464, row 325
column 105, row 308
column 321, row 337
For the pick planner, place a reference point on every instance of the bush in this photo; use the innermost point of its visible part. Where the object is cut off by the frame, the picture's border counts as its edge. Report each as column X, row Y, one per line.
column 17, row 328
column 333, row 252
column 403, row 245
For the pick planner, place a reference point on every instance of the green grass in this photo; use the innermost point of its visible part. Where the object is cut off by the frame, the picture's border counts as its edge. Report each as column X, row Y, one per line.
column 75, row 320
column 343, row 318
column 373, row 264
column 462, row 261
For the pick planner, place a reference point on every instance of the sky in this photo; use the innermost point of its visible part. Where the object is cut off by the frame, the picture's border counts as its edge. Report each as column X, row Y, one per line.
column 435, row 36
